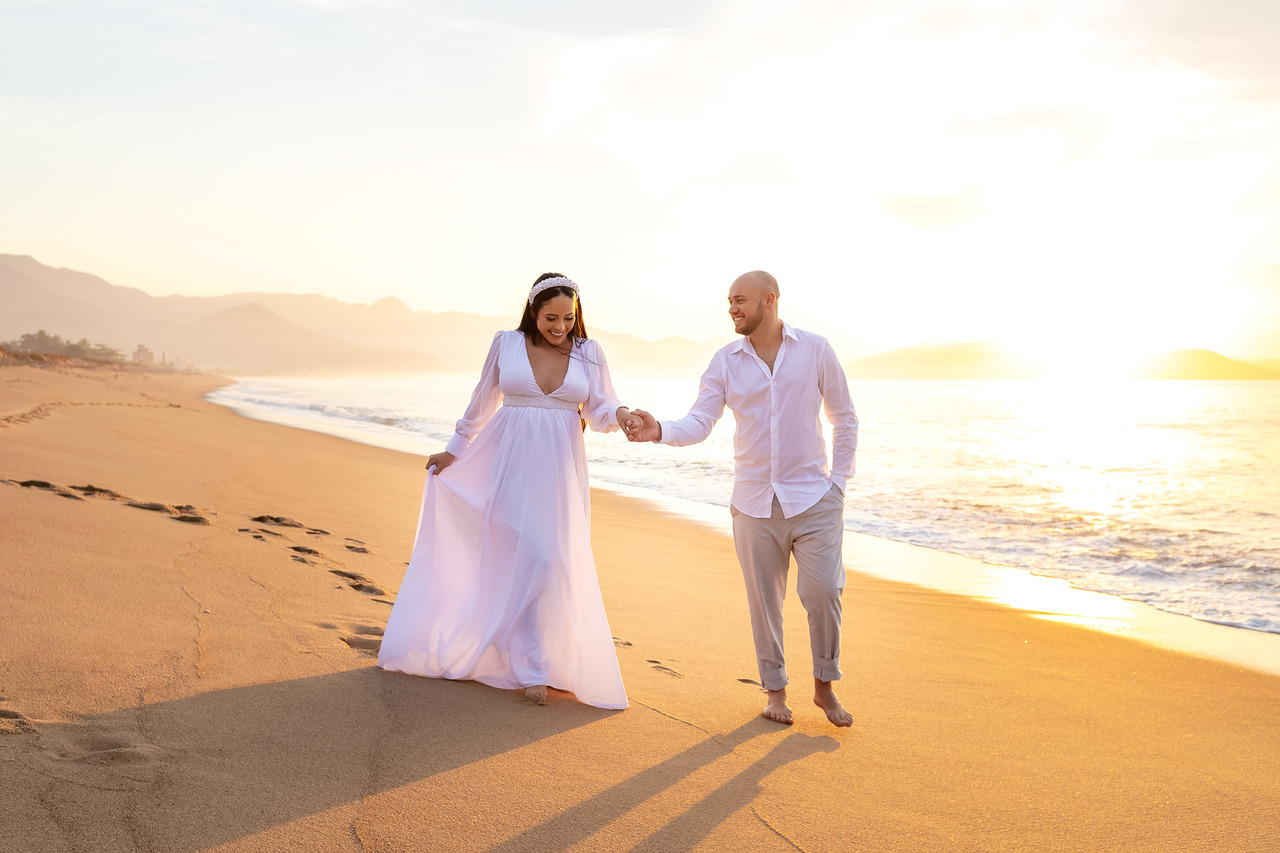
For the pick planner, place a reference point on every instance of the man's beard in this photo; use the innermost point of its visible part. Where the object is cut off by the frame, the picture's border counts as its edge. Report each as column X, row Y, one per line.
column 754, row 322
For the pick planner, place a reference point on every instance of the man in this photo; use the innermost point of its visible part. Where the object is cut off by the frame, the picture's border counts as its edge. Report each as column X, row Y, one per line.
column 785, row 499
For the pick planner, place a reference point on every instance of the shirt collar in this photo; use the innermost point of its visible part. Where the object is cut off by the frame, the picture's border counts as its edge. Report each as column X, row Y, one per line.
column 740, row 345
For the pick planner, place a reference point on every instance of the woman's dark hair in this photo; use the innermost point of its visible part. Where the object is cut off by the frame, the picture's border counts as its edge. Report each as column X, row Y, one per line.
column 529, row 321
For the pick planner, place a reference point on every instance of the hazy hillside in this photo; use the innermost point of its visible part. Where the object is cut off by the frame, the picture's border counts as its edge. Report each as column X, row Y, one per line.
column 72, row 304
column 265, row 341
column 984, row 360
column 457, row 340
column 1202, row 364
column 282, row 332
column 307, row 333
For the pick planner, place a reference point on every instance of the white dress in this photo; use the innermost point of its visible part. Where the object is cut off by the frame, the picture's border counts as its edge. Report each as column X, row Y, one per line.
column 501, row 587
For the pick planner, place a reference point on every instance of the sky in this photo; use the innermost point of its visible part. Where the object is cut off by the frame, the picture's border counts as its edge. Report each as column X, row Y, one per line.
column 1092, row 179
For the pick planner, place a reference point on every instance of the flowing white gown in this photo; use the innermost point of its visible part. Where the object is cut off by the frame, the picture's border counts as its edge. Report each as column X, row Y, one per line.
column 501, row 587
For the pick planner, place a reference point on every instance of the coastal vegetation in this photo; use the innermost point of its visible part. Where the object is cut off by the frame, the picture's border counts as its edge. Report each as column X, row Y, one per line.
column 46, row 344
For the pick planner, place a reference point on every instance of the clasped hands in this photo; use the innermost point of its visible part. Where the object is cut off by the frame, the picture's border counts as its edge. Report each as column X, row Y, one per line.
column 639, row 425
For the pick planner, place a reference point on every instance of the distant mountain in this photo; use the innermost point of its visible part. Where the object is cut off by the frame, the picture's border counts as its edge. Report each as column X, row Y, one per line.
column 1269, row 363
column 984, row 360
column 963, row 360
column 307, row 333
column 72, row 304
column 263, row 341
column 1202, row 364
column 284, row 332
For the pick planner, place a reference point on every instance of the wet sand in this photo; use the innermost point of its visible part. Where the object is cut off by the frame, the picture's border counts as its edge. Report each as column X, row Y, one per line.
column 190, row 605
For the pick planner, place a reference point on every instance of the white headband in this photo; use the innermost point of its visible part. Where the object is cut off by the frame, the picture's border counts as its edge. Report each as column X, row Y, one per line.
column 558, row 281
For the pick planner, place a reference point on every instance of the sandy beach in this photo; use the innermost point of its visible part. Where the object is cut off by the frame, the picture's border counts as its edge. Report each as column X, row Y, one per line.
column 190, row 606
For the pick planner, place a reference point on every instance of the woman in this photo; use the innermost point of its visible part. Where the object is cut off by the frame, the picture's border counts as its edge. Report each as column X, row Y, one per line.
column 501, row 587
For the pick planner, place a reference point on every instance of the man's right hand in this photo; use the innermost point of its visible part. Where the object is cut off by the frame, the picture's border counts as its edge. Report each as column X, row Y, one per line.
column 437, row 462
column 650, row 429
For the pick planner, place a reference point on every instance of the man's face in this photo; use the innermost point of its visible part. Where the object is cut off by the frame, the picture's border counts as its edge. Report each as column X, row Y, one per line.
column 746, row 306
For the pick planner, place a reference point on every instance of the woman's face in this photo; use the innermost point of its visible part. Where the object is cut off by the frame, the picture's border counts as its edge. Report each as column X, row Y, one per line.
column 556, row 318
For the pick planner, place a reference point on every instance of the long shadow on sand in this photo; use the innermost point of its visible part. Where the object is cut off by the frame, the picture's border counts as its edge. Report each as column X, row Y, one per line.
column 194, row 773
column 687, row 829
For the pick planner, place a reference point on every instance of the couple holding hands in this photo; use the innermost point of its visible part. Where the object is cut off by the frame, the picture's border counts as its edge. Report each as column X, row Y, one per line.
column 501, row 587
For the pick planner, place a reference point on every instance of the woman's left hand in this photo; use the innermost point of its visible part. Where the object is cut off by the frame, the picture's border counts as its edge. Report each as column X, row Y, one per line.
column 630, row 422
column 437, row 462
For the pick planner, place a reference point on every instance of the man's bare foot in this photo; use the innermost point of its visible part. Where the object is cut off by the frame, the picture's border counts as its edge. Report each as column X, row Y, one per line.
column 825, row 698
column 776, row 708
column 535, row 695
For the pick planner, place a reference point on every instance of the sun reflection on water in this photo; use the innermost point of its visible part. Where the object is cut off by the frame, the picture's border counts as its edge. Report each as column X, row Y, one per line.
column 1091, row 449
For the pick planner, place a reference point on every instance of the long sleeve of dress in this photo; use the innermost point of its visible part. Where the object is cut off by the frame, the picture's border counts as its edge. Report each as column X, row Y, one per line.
column 484, row 402
column 601, row 407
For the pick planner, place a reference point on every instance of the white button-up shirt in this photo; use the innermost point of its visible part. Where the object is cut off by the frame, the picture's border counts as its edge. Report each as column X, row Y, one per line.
column 778, row 447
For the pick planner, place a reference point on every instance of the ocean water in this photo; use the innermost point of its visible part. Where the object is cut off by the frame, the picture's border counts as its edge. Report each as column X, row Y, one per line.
column 1157, row 491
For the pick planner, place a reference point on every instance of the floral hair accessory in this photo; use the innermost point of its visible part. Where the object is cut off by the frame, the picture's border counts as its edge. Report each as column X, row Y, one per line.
column 557, row 281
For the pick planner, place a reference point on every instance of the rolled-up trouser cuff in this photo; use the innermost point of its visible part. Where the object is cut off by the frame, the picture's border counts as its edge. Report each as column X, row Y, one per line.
column 827, row 669
column 773, row 677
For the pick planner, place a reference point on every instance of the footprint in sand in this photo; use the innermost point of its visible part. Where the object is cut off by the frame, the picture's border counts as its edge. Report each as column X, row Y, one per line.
column 149, row 506
column 303, row 553
column 358, row 582
column 94, row 491
column 14, row 723
column 97, row 746
column 751, row 681
column 366, row 639
column 364, row 645
column 277, row 520
column 621, row 643
column 40, row 411
column 666, row 670
column 49, row 487
column 191, row 518
column 185, row 513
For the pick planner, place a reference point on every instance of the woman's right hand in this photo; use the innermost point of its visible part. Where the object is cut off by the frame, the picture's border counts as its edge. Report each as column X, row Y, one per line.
column 437, row 462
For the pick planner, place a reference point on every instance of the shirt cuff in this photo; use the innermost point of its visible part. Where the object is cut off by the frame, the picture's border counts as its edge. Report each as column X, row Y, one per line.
column 840, row 483
column 664, row 437
column 457, row 444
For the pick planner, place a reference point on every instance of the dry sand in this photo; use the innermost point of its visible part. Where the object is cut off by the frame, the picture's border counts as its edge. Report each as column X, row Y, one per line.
column 179, row 676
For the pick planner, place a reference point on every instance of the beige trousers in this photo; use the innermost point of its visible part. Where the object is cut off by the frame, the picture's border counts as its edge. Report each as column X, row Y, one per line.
column 765, row 547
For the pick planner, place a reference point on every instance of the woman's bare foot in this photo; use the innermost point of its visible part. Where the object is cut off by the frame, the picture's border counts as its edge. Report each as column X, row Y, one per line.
column 825, row 698
column 535, row 695
column 776, row 708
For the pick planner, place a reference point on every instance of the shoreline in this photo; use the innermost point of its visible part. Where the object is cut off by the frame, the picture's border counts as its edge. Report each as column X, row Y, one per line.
column 944, row 571
column 192, row 601
column 1041, row 596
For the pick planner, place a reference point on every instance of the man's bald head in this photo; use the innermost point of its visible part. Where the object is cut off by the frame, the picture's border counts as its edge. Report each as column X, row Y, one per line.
column 760, row 282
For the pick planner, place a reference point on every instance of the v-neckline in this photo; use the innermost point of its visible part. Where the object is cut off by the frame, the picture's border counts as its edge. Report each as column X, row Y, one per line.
column 528, row 356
